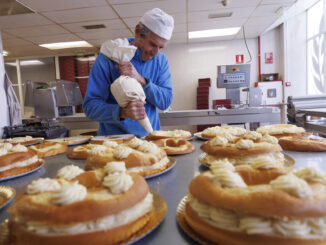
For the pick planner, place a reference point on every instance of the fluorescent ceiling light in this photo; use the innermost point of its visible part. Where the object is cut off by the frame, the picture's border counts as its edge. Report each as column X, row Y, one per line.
column 213, row 32
column 5, row 53
column 26, row 63
column 63, row 45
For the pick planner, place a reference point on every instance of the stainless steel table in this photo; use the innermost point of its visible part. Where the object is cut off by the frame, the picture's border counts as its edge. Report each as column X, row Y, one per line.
column 318, row 125
column 268, row 115
column 260, row 114
column 172, row 186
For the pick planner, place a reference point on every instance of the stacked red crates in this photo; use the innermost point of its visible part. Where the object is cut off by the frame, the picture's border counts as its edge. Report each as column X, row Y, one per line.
column 203, row 98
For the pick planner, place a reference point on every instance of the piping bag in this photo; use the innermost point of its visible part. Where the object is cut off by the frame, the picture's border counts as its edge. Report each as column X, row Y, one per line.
column 125, row 89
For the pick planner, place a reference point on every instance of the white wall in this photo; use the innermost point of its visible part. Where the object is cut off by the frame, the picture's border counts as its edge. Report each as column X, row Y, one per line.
column 295, row 55
column 4, row 116
column 272, row 41
column 189, row 62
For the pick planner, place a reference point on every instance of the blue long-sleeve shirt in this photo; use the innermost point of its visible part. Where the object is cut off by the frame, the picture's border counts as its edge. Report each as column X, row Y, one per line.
column 100, row 105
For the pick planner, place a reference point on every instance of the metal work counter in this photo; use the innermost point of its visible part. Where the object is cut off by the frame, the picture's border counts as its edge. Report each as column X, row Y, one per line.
column 239, row 115
column 172, row 186
column 318, row 125
column 77, row 121
column 268, row 115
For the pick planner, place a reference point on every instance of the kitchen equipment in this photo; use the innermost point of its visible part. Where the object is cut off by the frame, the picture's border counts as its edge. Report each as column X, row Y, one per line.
column 36, row 129
column 232, row 77
column 53, row 99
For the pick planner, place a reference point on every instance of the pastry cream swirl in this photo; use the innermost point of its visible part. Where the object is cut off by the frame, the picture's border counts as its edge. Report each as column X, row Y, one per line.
column 122, row 152
column 97, row 149
column 244, row 144
column 292, row 185
column 110, row 143
column 256, row 225
column 219, row 141
column 19, row 148
column 297, row 228
column 148, row 147
column 252, row 135
column 69, row 172
column 222, row 163
column 69, row 193
column 118, row 182
column 269, row 139
column 227, row 178
column 311, row 175
column 135, row 142
column 43, row 185
column 265, row 162
column 115, row 167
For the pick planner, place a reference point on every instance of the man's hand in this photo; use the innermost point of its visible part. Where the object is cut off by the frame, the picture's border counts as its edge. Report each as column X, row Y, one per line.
column 134, row 110
column 128, row 69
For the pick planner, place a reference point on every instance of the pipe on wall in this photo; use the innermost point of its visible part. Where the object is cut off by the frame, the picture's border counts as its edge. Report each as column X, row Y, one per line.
column 259, row 64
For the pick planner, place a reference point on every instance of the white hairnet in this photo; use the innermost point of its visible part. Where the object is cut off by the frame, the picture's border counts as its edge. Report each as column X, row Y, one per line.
column 158, row 22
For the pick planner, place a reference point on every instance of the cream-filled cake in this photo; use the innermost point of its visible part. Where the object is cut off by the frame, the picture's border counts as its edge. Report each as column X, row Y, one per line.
column 290, row 209
column 224, row 131
column 27, row 140
column 17, row 159
column 48, row 148
column 140, row 156
column 103, row 207
column 163, row 134
column 175, row 146
column 84, row 151
column 253, row 154
column 281, row 130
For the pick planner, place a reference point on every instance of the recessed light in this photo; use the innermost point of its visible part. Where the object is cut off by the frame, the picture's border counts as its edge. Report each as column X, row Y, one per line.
column 63, row 45
column 219, row 15
column 5, row 53
column 91, row 27
column 214, row 32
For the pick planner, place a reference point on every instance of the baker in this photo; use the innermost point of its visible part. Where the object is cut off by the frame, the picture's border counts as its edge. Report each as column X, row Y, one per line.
column 148, row 66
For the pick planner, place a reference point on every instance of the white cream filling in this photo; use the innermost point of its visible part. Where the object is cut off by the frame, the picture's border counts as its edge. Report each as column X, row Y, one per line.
column 160, row 164
column 172, row 133
column 280, row 129
column 276, row 157
column 105, row 223
column 48, row 148
column 309, row 228
column 69, row 172
column 20, row 164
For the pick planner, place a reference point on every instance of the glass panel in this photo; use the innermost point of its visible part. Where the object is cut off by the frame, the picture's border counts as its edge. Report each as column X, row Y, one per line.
column 36, row 70
column 316, row 65
column 314, row 15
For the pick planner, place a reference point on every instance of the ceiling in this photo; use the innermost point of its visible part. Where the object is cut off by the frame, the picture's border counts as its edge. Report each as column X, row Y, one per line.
column 63, row 20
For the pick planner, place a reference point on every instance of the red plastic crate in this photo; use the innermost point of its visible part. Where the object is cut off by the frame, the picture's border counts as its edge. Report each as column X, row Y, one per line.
column 222, row 103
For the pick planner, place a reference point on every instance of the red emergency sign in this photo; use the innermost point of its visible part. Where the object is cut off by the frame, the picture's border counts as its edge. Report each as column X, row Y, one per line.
column 239, row 59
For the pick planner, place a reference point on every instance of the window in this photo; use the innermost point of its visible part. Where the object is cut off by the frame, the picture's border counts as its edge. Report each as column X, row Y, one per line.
column 316, row 49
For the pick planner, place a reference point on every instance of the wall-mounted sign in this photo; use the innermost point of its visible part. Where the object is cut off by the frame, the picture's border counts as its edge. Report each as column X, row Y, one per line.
column 269, row 58
column 239, row 59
